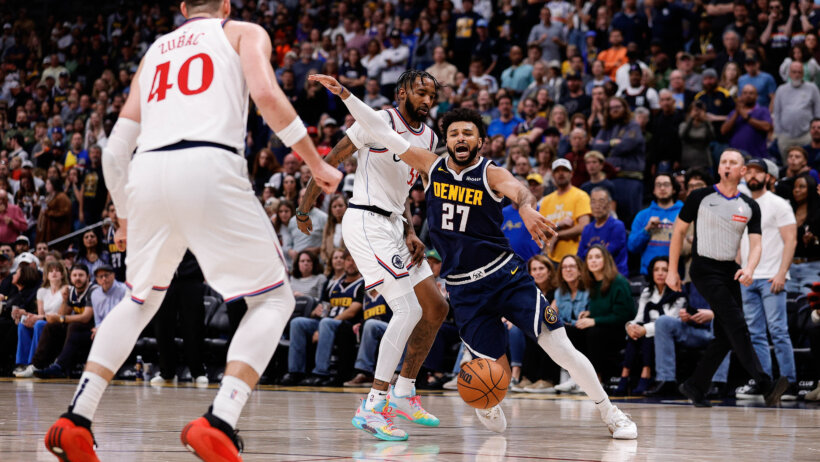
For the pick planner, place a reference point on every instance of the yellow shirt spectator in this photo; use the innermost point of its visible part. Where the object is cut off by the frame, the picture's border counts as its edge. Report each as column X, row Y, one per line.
column 572, row 204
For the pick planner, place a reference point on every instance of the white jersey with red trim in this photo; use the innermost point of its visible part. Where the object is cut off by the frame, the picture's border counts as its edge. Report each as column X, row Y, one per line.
column 192, row 88
column 382, row 179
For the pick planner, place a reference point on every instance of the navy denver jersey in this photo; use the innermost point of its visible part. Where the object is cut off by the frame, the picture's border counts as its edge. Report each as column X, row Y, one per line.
column 341, row 294
column 464, row 217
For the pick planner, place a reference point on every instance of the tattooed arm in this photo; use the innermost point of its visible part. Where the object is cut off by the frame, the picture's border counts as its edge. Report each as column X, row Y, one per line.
column 504, row 184
column 340, row 153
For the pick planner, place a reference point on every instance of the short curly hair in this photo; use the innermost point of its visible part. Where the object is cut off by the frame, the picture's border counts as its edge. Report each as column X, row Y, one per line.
column 463, row 115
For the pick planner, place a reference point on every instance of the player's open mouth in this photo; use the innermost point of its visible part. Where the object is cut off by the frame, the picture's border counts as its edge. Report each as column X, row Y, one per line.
column 462, row 148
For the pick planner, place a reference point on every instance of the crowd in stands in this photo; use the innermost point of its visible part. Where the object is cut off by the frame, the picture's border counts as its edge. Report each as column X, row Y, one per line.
column 610, row 112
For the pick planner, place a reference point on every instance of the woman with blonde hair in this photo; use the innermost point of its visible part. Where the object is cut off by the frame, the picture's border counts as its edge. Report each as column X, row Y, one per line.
column 332, row 234
column 570, row 300
column 559, row 118
column 729, row 77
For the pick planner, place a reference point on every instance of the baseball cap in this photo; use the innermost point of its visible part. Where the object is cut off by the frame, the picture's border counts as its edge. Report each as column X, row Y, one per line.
column 23, row 239
column 432, row 253
column 759, row 163
column 395, row 34
column 686, row 55
column 751, row 58
column 536, row 177
column 635, row 67
column 104, row 267
column 554, row 63
column 481, row 23
column 27, row 164
column 561, row 163
column 6, row 26
column 591, row 33
column 25, row 257
column 330, row 121
column 710, row 73
column 773, row 169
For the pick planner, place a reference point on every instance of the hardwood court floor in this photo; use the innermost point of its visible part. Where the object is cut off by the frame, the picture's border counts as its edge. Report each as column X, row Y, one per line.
column 141, row 423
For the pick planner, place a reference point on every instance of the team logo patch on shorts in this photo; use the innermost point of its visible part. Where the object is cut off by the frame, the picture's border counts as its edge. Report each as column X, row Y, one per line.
column 397, row 262
column 550, row 315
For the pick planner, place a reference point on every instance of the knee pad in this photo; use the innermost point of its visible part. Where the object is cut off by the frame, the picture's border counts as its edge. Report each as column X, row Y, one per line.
column 260, row 329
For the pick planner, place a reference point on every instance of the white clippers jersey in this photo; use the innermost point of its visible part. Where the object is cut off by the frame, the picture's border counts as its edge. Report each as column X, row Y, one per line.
column 382, row 179
column 192, row 88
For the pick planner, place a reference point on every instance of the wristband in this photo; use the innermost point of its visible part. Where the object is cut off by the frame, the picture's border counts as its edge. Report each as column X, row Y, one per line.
column 299, row 213
column 293, row 133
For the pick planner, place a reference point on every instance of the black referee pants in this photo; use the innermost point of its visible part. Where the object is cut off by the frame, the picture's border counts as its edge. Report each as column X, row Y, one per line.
column 715, row 281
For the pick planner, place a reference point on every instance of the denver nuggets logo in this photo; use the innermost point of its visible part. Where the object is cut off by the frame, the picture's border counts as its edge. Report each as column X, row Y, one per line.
column 397, row 262
column 550, row 315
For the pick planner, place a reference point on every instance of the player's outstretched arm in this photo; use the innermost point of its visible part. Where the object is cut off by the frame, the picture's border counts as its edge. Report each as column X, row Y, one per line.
column 502, row 182
column 343, row 150
column 418, row 158
column 254, row 48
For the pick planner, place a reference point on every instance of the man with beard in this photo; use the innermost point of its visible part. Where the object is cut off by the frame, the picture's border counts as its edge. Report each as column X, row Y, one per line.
column 533, row 127
column 652, row 227
column 764, row 301
column 813, row 148
column 795, row 105
column 389, row 254
column 749, row 124
column 485, row 279
column 568, row 208
column 637, row 94
column 575, row 100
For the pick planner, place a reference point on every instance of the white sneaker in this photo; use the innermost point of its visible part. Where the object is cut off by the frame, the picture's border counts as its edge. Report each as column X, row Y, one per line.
column 25, row 373
column 451, row 384
column 158, row 381
column 493, row 418
column 567, row 387
column 201, row 381
column 620, row 425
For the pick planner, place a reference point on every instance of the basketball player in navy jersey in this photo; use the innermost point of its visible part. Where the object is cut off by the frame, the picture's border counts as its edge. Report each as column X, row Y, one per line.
column 485, row 279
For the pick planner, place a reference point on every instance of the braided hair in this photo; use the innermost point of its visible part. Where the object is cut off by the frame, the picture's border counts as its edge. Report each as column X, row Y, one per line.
column 409, row 76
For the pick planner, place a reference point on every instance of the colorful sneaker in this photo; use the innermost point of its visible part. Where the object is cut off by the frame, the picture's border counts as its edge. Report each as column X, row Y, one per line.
column 409, row 408
column 70, row 439
column 212, row 440
column 378, row 422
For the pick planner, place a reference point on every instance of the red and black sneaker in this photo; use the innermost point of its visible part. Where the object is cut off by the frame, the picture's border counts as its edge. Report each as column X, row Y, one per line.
column 71, row 440
column 212, row 440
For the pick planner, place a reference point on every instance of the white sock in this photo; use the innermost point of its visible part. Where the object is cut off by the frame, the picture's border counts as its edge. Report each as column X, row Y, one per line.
column 405, row 387
column 88, row 395
column 374, row 397
column 231, row 398
column 604, row 407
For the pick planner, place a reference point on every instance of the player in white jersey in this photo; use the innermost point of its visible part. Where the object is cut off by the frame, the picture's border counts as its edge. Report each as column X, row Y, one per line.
column 187, row 188
column 377, row 231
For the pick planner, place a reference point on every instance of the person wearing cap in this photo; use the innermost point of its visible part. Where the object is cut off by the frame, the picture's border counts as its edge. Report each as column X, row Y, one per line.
column 107, row 294
column 717, row 100
column 637, row 93
column 22, row 244
column 575, row 100
column 395, row 59
column 550, row 36
column 764, row 301
column 762, row 81
column 568, row 207
column 485, row 47
column 749, row 124
column 685, row 63
column 796, row 103
column 614, row 56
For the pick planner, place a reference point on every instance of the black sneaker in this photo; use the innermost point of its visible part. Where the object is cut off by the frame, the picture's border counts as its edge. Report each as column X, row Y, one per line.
column 749, row 391
column 791, row 394
column 665, row 388
column 772, row 397
column 695, row 396
column 53, row 371
column 314, row 381
column 290, row 379
column 717, row 390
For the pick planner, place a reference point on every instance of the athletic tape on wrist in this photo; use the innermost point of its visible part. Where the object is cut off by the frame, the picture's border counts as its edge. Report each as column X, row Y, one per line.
column 293, row 133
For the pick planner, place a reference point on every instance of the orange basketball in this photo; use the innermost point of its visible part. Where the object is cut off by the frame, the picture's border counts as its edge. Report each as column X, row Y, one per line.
column 482, row 383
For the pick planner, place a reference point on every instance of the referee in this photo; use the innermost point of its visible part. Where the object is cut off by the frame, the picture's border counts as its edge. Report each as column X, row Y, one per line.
column 720, row 215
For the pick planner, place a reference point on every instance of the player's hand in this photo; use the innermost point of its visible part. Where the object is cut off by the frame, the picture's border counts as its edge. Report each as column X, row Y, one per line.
column 416, row 248
column 778, row 283
column 541, row 229
column 326, row 177
column 673, row 281
column 121, row 235
column 304, row 223
column 743, row 276
column 703, row 316
column 331, row 84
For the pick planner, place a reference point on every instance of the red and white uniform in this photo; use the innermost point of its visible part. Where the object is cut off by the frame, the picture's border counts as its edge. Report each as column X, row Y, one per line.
column 188, row 186
column 382, row 180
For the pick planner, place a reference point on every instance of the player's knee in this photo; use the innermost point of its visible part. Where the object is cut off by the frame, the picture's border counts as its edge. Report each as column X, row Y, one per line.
column 436, row 313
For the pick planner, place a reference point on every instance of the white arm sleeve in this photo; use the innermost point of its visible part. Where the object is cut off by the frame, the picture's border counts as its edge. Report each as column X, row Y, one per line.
column 376, row 126
column 116, row 159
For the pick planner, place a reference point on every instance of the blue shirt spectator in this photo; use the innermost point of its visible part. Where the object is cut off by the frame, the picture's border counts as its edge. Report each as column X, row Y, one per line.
column 652, row 227
column 107, row 294
column 610, row 234
column 762, row 81
column 515, row 231
column 507, row 121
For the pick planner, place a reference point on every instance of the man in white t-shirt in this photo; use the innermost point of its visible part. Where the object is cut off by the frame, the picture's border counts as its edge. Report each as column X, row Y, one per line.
column 764, row 301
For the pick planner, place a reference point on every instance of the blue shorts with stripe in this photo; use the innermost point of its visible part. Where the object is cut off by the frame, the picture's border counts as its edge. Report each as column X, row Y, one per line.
column 508, row 292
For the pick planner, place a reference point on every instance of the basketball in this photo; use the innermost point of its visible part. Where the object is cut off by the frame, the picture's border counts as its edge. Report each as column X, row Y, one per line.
column 482, row 383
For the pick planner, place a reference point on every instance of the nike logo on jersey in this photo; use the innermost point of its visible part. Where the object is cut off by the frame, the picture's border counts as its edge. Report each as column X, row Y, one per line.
column 442, row 170
column 514, row 271
column 401, row 133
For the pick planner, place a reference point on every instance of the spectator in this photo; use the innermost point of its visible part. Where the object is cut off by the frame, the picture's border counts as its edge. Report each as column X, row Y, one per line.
column 598, row 332
column 796, row 104
column 344, row 298
column 12, row 220
column 352, row 73
column 506, row 122
column 598, row 77
column 696, row 133
column 395, row 59
column 539, row 82
column 106, row 295
column 655, row 301
column 579, row 146
column 518, row 76
column 443, row 71
column 667, row 24
column 428, row 40
column 92, row 254
column 463, row 33
column 30, row 329
column 652, row 228
column 764, row 301
column 762, row 81
column 301, row 241
column 95, row 193
column 729, row 78
column 332, row 234
column 533, row 127
column 306, row 277
column 67, row 335
column 55, row 217
column 373, row 97
column 567, row 207
column 574, row 99
column 21, row 305
column 637, row 94
column 796, row 165
column 376, row 315
column 551, row 36
column 543, row 370
column 280, row 221
column 614, row 56
column 622, row 142
column 486, row 48
column 664, row 148
column 677, row 87
column 305, row 64
column 748, row 124
column 595, row 162
column 686, row 64
column 265, row 166
column 813, row 147
column 21, row 245
column 718, row 101
column 806, row 263
column 799, row 54
column 514, row 230
column 604, row 230
column 731, row 52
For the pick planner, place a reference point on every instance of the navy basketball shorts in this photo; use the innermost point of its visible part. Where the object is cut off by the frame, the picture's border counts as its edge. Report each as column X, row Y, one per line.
column 509, row 292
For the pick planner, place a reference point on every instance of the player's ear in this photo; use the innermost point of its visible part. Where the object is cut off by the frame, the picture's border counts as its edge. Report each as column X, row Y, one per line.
column 183, row 9
column 226, row 8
